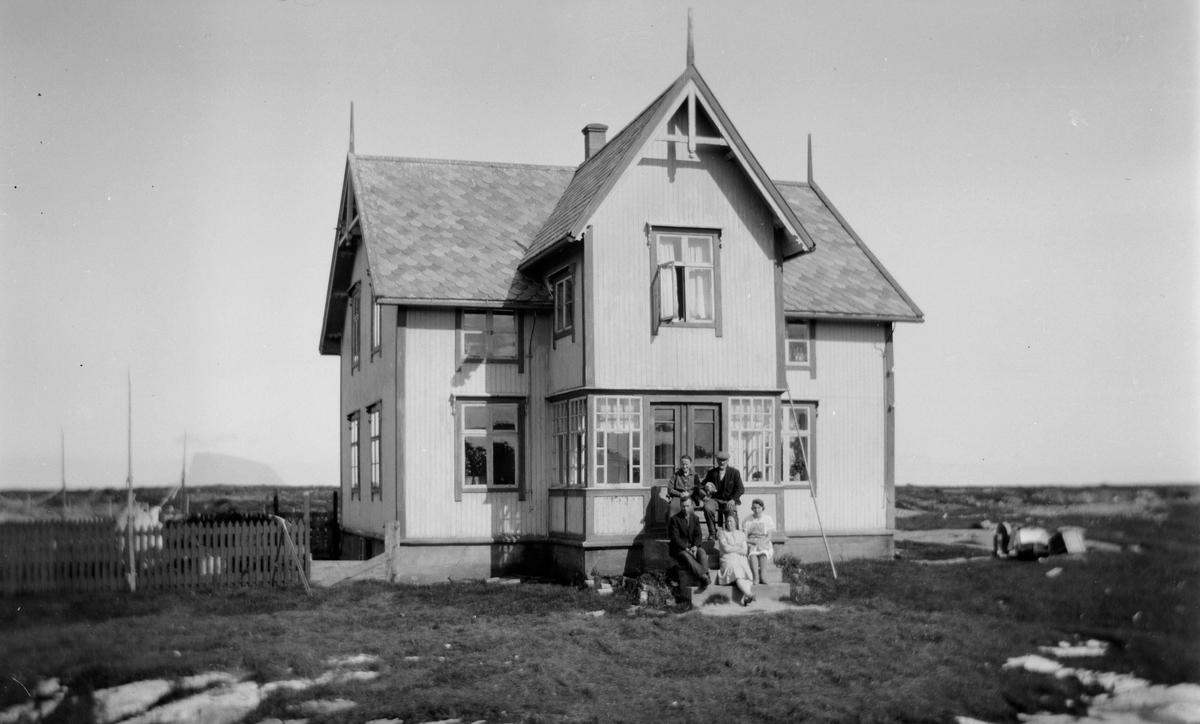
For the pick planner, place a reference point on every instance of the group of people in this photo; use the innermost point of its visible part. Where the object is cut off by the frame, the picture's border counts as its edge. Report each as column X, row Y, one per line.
column 744, row 546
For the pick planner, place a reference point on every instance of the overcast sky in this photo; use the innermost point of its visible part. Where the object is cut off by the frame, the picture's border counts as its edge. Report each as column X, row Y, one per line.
column 1027, row 171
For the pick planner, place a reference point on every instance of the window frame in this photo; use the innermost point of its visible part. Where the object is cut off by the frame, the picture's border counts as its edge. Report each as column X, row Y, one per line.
column 461, row 433
column 375, row 430
column 786, row 434
column 656, row 277
column 355, row 456
column 489, row 332
column 355, row 327
column 599, row 437
column 569, row 452
column 810, row 346
column 564, row 302
column 760, row 424
column 376, row 327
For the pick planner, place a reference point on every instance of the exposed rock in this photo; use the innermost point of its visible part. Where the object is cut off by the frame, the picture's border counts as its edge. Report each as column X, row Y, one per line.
column 224, row 705
column 319, row 707
column 119, row 702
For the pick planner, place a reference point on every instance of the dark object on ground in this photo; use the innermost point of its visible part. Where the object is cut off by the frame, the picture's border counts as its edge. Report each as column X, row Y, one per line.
column 1031, row 543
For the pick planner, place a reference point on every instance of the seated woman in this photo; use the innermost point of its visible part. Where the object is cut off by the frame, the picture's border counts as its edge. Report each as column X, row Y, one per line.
column 732, row 545
column 758, row 528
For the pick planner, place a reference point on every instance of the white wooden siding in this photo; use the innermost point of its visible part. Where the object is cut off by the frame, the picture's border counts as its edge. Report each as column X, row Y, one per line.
column 709, row 193
column 434, row 379
column 374, row 381
column 619, row 514
column 566, row 358
column 848, row 461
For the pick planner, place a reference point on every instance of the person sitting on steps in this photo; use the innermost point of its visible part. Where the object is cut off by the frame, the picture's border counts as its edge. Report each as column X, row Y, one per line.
column 758, row 528
column 734, row 568
column 683, row 541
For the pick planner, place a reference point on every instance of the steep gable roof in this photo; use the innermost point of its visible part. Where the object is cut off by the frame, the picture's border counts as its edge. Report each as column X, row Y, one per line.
column 445, row 232
column 841, row 278
column 599, row 174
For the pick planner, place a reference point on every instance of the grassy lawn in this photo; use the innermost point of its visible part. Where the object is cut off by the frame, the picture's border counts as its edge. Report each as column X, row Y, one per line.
column 900, row 641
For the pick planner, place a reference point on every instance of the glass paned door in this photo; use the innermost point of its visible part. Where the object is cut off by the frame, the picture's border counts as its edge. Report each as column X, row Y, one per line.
column 681, row 429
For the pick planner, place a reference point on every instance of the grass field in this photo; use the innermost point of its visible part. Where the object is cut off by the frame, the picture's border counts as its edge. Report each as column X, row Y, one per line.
column 900, row 641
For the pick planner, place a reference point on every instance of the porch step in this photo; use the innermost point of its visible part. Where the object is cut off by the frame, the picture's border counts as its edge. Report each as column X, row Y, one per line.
column 722, row 594
column 656, row 559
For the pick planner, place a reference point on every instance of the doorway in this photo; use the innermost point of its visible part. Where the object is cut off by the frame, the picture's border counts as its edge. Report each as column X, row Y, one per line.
column 685, row 429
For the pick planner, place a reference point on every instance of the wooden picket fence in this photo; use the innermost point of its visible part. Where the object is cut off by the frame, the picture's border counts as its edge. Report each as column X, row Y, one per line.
column 90, row 555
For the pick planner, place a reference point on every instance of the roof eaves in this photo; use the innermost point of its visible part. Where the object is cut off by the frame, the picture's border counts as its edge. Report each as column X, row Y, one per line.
column 463, row 302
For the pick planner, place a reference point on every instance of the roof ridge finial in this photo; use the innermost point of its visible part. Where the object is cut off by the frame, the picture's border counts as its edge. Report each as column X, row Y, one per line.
column 810, row 159
column 351, row 126
column 691, row 49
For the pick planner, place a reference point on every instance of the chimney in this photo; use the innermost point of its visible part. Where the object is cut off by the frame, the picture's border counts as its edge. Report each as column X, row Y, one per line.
column 593, row 139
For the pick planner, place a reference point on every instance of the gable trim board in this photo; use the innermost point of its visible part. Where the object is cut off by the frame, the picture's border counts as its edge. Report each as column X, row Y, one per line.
column 628, row 148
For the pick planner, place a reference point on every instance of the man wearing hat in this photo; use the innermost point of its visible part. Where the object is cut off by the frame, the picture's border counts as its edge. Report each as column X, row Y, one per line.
column 728, row 483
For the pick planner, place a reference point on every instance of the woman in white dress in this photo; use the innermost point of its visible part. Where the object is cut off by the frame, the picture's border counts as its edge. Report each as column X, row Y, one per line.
column 735, row 570
column 758, row 528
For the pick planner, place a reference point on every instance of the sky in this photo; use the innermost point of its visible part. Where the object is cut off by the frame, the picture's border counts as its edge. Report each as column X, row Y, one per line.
column 170, row 176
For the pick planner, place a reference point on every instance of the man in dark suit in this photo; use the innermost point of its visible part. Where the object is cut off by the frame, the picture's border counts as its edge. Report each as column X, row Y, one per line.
column 683, row 543
column 728, row 482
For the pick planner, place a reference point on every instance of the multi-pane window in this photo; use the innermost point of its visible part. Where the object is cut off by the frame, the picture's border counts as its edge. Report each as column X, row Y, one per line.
column 799, row 344
column 355, row 481
column 563, row 285
column 686, row 277
column 490, row 443
column 797, row 443
column 373, row 427
column 752, row 437
column 570, row 444
column 355, row 321
column 489, row 335
column 618, row 425
column 376, row 327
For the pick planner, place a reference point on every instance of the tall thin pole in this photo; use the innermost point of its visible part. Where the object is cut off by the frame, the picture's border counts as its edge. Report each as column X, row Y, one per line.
column 131, row 571
column 183, row 475
column 811, row 490
column 63, row 457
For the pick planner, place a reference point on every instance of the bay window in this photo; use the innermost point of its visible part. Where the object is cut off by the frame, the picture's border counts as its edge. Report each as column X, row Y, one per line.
column 752, row 437
column 568, row 419
column 797, row 442
column 618, row 425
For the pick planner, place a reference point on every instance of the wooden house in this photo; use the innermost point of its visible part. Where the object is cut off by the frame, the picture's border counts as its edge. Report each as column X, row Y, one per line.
column 527, row 350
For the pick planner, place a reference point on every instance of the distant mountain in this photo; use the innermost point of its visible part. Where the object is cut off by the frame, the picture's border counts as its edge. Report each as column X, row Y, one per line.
column 205, row 468
column 216, row 469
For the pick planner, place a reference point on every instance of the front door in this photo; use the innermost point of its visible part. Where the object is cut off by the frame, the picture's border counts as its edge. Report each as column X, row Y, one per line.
column 685, row 429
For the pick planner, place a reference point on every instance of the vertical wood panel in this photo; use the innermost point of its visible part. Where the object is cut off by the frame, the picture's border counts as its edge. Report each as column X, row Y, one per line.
column 850, row 433
column 711, row 193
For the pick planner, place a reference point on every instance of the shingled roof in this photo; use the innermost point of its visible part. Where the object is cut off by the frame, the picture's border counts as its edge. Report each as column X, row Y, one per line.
column 841, row 278
column 452, row 231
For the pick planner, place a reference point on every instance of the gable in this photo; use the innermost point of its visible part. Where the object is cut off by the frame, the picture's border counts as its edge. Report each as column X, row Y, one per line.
column 595, row 179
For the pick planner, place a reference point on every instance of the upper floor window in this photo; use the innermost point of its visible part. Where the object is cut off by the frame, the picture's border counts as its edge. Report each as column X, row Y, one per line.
column 376, row 327
column 799, row 344
column 376, row 452
column 490, row 335
column 489, row 434
column 563, row 285
column 355, row 481
column 686, row 277
column 355, row 322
